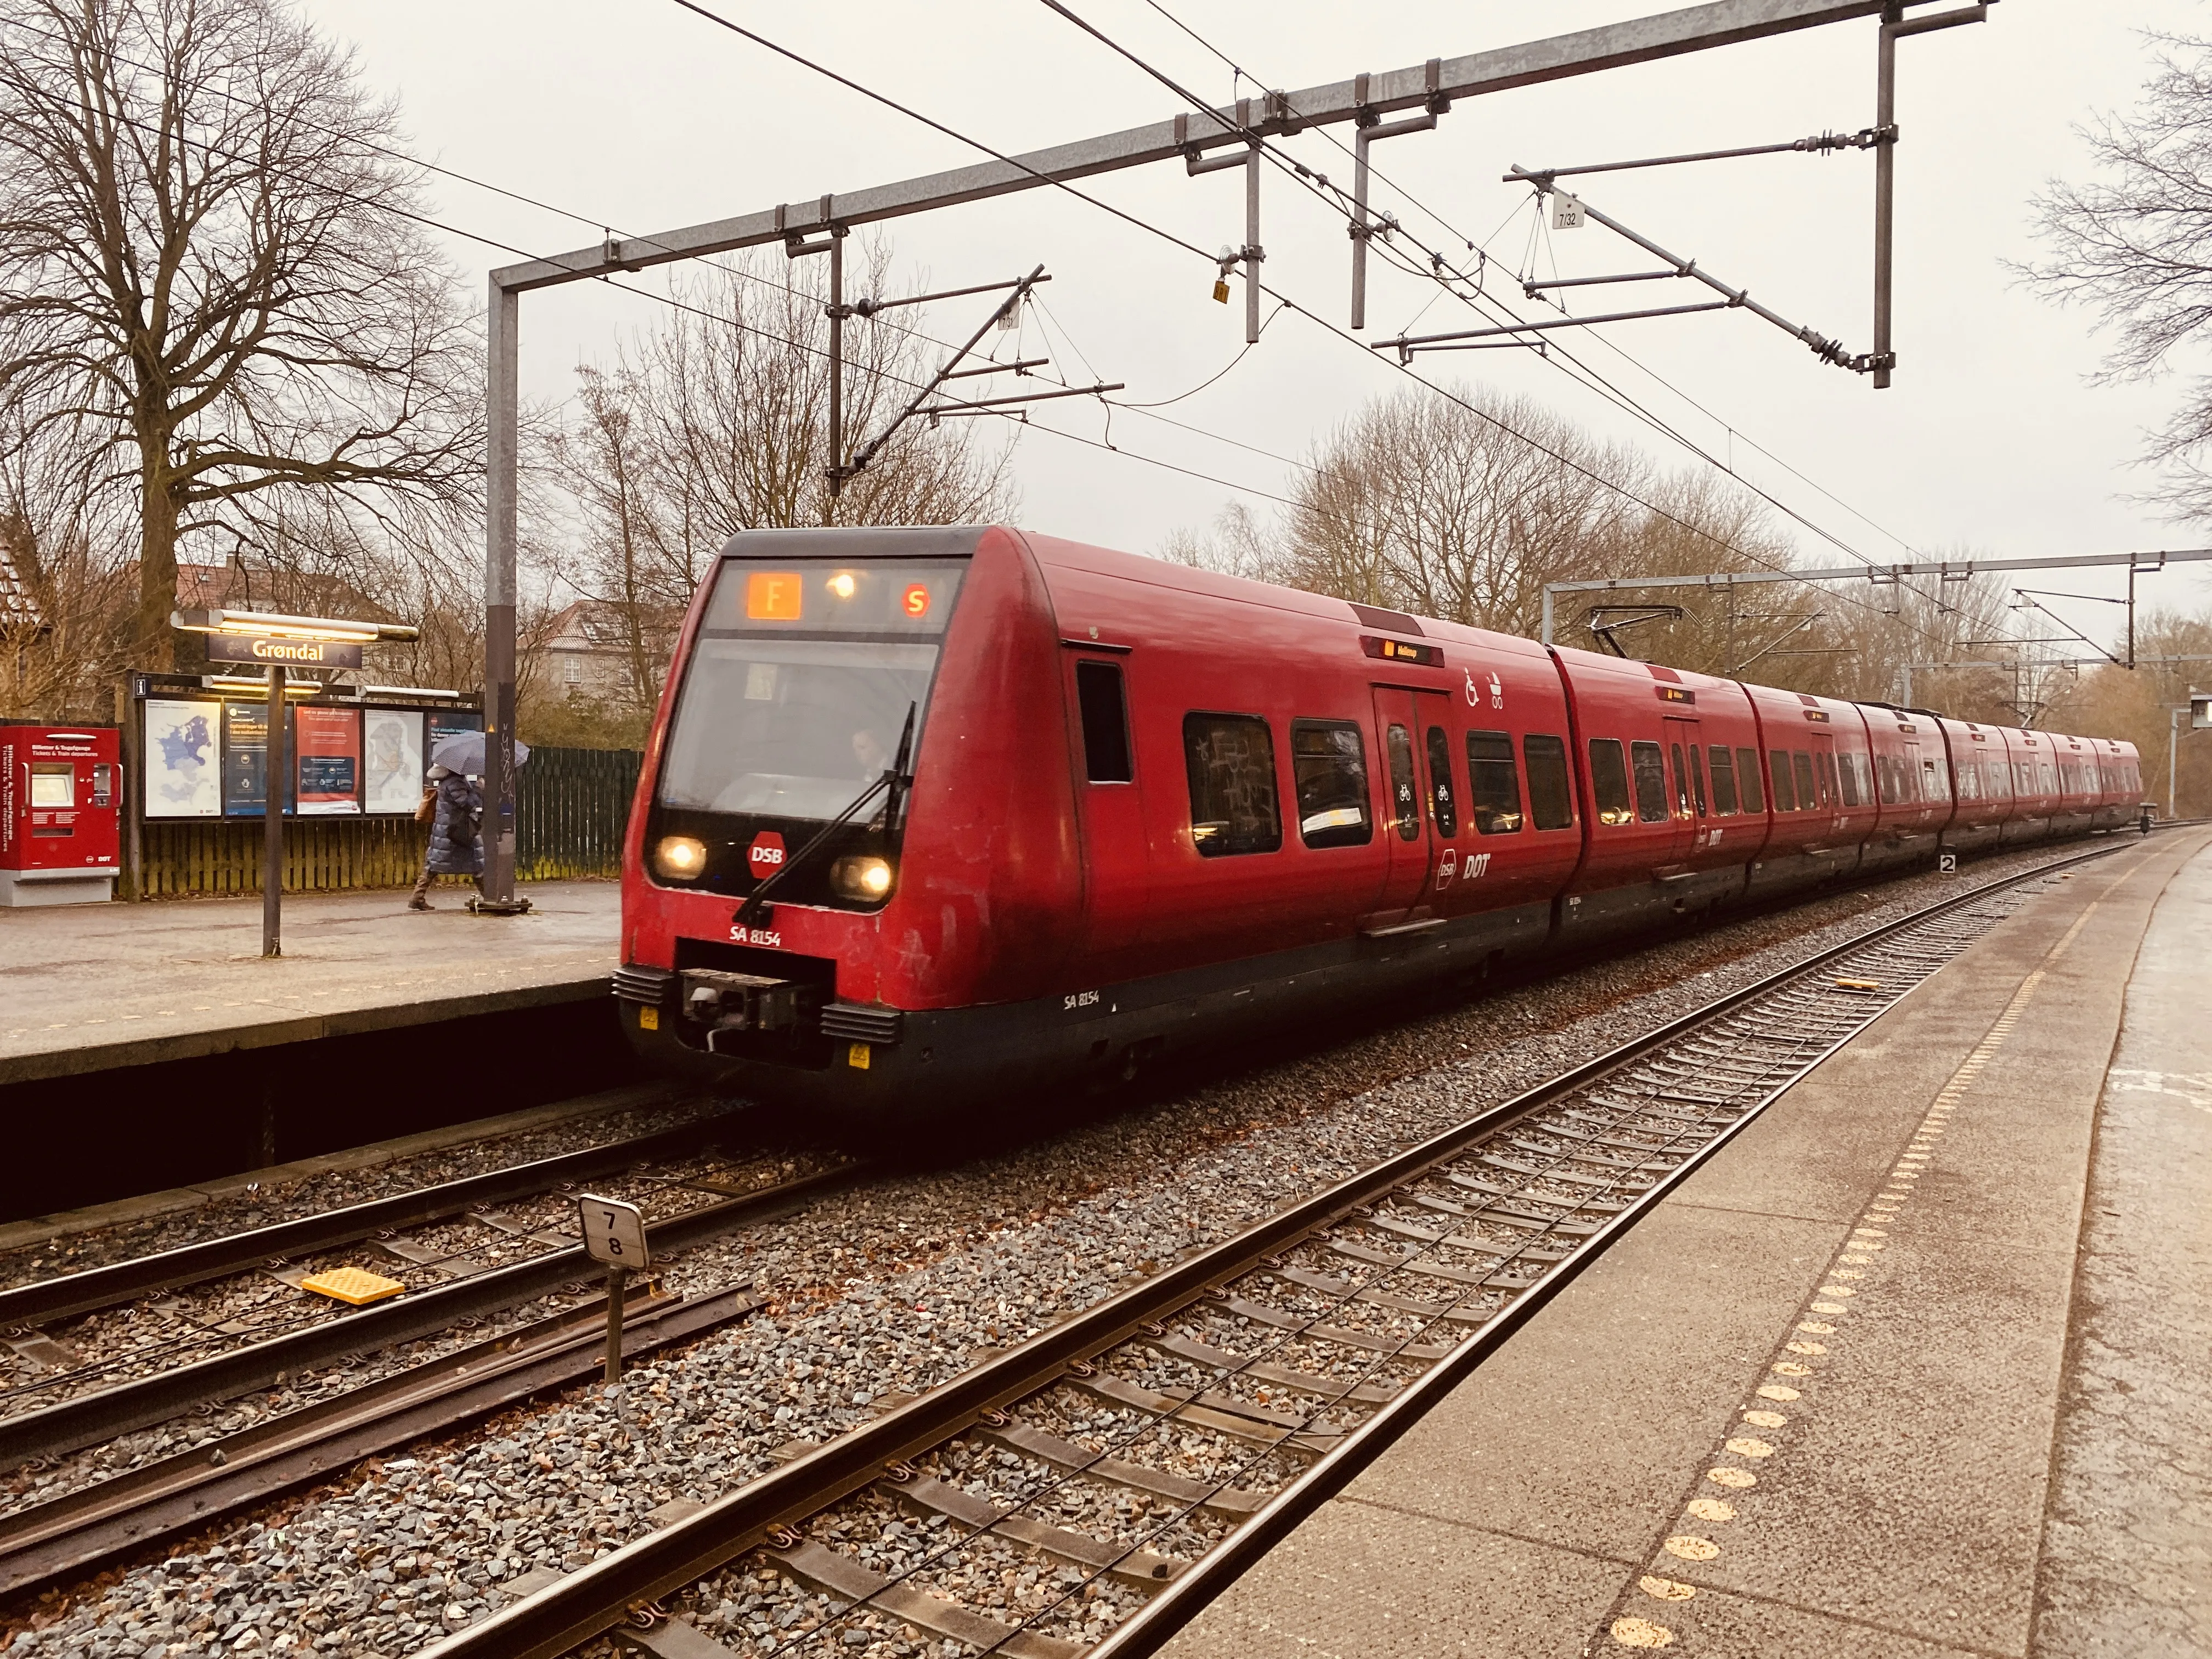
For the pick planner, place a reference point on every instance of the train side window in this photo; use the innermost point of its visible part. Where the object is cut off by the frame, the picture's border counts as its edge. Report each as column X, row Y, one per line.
column 1609, row 781
column 1551, row 802
column 1495, row 785
column 1808, row 795
column 1723, row 781
column 1443, row 806
column 1681, row 781
column 1328, row 765
column 1231, row 759
column 1697, row 781
column 1848, row 771
column 1825, row 764
column 1405, row 798
column 1105, row 722
column 1786, row 799
column 1746, row 777
column 1650, row 769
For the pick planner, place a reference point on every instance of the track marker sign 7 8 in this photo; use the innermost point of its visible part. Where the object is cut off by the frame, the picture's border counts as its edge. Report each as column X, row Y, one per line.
column 614, row 1232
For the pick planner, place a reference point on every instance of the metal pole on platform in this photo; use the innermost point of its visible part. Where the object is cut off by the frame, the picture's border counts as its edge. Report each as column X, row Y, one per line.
column 2173, row 759
column 273, row 773
column 504, row 388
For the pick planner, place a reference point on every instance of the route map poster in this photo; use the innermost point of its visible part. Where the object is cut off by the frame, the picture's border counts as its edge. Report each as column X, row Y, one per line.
column 184, row 766
column 328, row 776
column 391, row 759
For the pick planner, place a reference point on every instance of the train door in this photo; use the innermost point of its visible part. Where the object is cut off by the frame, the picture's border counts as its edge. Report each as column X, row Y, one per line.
column 1687, row 786
column 1116, row 860
column 1440, row 795
column 1827, row 787
column 1400, row 746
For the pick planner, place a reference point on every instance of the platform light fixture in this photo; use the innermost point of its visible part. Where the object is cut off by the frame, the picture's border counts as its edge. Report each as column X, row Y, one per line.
column 277, row 625
column 260, row 686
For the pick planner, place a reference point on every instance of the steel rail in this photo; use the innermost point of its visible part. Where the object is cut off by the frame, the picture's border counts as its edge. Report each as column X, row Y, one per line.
column 1151, row 1626
column 70, row 1424
column 46, row 1300
column 238, row 1471
column 595, row 1598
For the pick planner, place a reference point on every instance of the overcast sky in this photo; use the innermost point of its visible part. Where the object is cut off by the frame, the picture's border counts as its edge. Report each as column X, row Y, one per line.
column 645, row 117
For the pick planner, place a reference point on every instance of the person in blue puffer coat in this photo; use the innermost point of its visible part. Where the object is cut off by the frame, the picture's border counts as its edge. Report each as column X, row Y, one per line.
column 456, row 846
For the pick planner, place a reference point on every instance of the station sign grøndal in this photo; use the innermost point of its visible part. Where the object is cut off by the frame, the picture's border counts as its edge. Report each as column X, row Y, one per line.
column 265, row 649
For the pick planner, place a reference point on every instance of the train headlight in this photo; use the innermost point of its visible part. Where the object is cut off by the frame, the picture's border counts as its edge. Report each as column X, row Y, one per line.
column 680, row 857
column 864, row 879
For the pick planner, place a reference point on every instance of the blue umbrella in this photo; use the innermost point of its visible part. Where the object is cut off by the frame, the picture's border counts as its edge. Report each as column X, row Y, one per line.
column 464, row 753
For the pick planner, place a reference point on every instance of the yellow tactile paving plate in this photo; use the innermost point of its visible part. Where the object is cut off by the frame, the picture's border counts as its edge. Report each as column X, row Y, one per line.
column 355, row 1285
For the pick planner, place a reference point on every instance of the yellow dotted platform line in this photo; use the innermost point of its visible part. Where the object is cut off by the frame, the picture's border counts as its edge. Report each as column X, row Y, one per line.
column 1743, row 1453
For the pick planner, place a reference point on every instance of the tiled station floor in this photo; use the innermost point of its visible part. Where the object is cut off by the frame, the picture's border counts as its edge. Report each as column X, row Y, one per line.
column 86, row 988
column 1916, row 1367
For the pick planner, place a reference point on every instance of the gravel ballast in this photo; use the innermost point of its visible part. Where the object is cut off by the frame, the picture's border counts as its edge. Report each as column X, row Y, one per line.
column 883, row 1289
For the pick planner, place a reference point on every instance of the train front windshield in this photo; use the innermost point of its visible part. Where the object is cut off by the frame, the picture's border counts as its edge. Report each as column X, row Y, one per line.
column 799, row 684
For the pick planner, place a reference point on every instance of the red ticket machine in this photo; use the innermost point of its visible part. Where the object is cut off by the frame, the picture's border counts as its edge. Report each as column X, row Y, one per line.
column 61, row 809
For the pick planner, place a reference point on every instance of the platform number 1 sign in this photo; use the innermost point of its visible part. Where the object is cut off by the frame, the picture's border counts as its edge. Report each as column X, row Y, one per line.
column 614, row 1234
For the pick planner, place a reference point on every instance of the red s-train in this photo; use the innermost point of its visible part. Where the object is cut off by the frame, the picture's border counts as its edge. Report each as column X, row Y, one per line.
column 933, row 815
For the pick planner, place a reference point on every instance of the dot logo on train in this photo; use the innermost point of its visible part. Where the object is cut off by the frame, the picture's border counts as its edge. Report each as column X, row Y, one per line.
column 765, row 856
column 1042, row 817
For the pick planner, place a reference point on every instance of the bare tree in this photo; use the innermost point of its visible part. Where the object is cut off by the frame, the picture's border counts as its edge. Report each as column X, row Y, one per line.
column 1422, row 504
column 719, row 421
column 211, row 264
column 2140, row 706
column 63, row 599
column 1464, row 509
column 2135, row 246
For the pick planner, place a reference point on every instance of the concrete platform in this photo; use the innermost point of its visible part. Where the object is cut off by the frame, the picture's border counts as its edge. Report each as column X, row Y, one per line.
column 96, row 987
column 1917, row 1367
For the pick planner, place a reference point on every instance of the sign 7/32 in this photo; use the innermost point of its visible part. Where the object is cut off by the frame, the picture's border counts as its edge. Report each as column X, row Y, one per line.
column 614, row 1232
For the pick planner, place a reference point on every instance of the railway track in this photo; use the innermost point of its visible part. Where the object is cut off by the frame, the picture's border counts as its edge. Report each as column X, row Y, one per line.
column 1090, row 1490
column 197, row 1364
column 112, row 1360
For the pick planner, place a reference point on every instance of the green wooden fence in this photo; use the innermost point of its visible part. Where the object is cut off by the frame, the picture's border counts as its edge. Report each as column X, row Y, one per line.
column 570, row 812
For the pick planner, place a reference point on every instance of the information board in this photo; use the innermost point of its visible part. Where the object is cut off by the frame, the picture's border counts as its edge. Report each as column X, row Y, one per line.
column 246, row 760
column 184, row 758
column 449, row 722
column 391, row 759
column 327, row 770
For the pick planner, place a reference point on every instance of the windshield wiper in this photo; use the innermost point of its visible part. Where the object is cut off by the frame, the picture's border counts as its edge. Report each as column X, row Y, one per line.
column 896, row 779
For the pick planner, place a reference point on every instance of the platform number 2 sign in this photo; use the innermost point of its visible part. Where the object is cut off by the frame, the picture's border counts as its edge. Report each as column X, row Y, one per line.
column 614, row 1232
